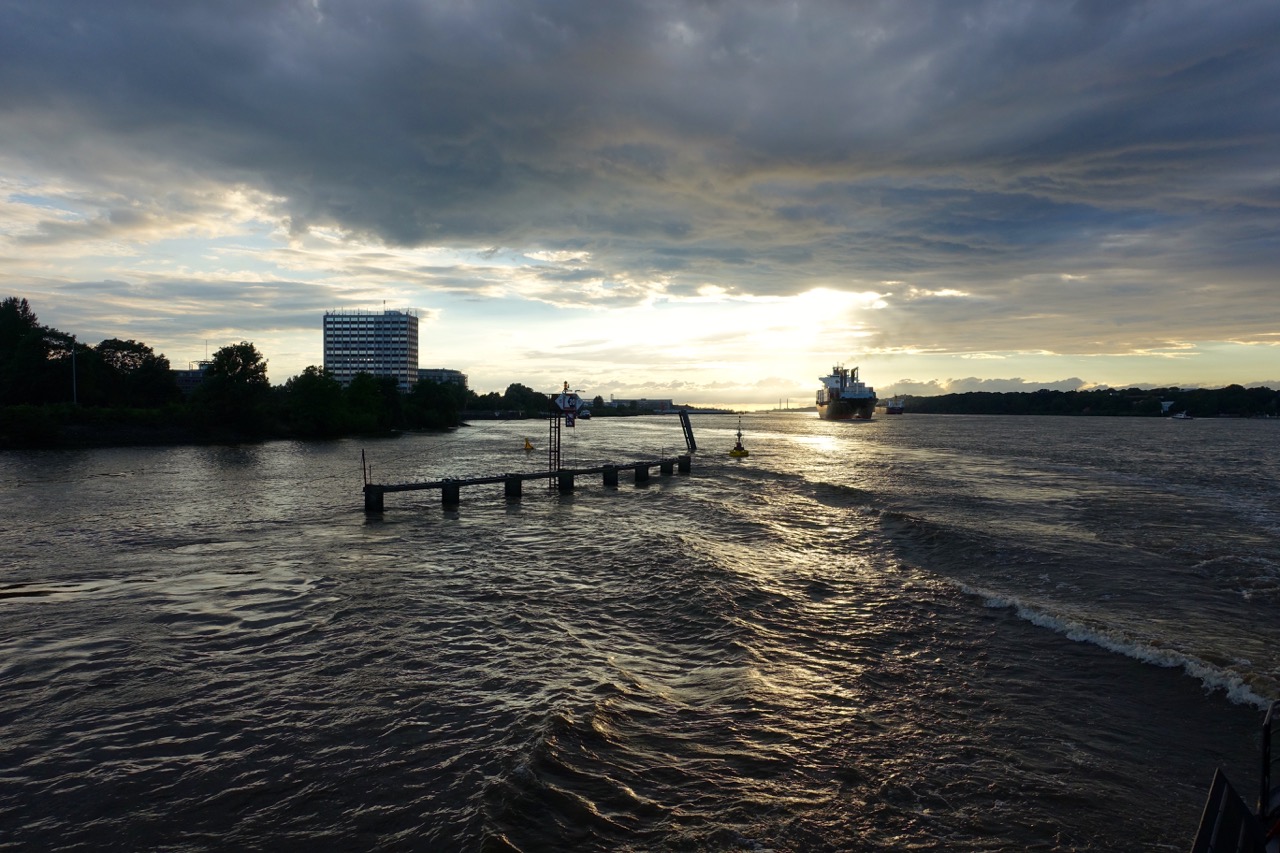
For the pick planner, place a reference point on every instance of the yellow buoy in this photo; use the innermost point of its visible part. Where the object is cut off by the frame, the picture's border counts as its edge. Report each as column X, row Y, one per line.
column 527, row 446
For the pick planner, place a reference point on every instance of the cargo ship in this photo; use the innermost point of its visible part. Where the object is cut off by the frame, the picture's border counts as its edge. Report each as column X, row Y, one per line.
column 891, row 407
column 844, row 397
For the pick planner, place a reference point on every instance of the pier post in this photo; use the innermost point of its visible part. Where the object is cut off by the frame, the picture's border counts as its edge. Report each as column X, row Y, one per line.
column 684, row 462
column 513, row 486
column 667, row 466
column 566, row 481
column 611, row 475
column 450, row 494
column 372, row 498
column 642, row 473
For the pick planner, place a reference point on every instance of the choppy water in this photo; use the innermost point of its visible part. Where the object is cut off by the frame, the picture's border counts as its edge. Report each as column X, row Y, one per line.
column 929, row 633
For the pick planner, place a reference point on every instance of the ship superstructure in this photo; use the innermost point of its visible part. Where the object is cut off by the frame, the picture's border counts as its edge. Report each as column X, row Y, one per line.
column 843, row 396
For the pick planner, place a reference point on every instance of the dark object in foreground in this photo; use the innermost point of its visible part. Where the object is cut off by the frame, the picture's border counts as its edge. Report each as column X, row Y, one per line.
column 1227, row 824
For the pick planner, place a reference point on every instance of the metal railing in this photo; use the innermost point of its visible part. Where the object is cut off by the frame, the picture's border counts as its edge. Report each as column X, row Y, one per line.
column 1266, row 806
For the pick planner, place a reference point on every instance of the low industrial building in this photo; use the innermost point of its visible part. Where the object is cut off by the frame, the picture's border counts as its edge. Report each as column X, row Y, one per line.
column 442, row 376
column 642, row 404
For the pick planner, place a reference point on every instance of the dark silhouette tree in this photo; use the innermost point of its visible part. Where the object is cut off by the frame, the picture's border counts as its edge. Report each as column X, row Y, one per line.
column 316, row 405
column 490, row 401
column 373, row 403
column 24, row 355
column 432, row 405
column 522, row 398
column 235, row 393
column 136, row 375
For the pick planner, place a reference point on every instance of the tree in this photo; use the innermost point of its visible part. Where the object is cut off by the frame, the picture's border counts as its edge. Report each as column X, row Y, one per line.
column 24, row 353
column 374, row 403
column 235, row 392
column 488, row 402
column 136, row 375
column 241, row 364
column 316, row 406
column 524, row 399
column 432, row 405
column 16, row 317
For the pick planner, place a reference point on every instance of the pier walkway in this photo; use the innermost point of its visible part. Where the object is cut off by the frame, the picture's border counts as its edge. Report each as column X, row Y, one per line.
column 450, row 489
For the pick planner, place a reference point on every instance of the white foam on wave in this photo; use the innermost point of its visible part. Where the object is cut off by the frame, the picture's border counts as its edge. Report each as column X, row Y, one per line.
column 1212, row 677
column 1249, row 576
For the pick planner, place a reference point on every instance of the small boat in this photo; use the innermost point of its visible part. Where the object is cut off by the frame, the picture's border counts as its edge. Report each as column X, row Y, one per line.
column 739, row 451
column 1181, row 416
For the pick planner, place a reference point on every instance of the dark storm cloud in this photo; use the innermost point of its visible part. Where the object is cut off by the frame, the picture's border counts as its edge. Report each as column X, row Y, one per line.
column 190, row 308
column 764, row 147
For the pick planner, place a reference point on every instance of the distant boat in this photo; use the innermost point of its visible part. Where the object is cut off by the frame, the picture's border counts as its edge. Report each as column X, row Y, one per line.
column 891, row 407
column 739, row 451
column 843, row 397
column 584, row 414
column 1181, row 416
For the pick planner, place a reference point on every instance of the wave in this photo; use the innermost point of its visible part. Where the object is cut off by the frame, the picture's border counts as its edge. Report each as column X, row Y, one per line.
column 1251, row 577
column 1214, row 678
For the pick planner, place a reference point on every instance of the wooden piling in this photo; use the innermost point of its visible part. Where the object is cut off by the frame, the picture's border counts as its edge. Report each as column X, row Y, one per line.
column 514, row 484
column 560, row 480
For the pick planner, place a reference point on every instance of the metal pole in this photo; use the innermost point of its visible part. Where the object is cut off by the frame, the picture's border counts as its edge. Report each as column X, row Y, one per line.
column 75, row 401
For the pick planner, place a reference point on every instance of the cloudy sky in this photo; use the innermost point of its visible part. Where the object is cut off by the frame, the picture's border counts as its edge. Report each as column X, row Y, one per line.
column 709, row 201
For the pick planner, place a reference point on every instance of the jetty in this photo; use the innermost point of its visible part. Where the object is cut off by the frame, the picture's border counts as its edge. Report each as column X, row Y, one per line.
column 562, row 480
column 558, row 478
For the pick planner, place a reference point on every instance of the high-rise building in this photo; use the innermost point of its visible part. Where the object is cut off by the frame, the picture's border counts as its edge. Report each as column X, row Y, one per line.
column 381, row 343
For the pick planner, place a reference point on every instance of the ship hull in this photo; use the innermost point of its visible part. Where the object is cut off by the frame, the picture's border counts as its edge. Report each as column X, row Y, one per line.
column 847, row 410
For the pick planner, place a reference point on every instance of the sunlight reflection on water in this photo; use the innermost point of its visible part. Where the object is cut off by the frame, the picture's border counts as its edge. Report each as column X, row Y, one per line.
column 791, row 651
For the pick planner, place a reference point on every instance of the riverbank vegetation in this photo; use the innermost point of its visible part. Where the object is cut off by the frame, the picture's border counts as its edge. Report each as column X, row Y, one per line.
column 58, row 391
column 1232, row 401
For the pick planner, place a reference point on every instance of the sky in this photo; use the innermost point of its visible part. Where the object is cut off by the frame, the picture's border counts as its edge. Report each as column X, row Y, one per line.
column 713, row 202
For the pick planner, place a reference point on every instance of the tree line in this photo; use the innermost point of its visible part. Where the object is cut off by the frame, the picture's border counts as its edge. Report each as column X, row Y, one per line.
column 55, row 389
column 1231, row 401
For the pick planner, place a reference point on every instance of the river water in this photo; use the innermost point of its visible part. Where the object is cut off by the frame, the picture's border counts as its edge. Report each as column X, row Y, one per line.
column 914, row 633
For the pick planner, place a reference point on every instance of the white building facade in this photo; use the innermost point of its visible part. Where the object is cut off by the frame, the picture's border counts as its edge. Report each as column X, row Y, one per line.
column 380, row 343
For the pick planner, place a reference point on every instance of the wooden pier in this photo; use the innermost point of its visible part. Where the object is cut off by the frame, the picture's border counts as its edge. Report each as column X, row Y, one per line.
column 562, row 407
column 451, row 489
